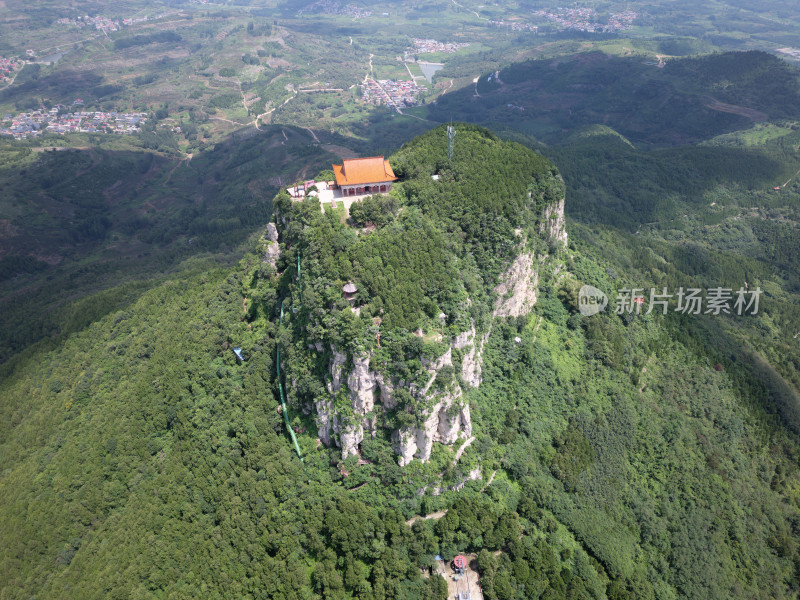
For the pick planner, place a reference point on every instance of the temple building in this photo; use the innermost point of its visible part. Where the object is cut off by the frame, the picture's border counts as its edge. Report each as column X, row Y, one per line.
column 358, row 176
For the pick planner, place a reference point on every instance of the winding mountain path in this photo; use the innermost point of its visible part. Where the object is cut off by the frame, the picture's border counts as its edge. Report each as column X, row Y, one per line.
column 754, row 115
column 434, row 515
column 491, row 479
column 474, row 12
column 314, row 135
column 460, row 451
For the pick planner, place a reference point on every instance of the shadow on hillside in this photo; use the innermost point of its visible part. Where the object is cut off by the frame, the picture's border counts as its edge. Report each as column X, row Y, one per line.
column 88, row 220
column 678, row 104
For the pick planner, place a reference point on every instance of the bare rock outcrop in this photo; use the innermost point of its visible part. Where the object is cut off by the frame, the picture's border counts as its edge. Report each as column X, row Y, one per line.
column 443, row 423
column 405, row 446
column 351, row 436
column 386, row 391
column 472, row 361
column 362, row 384
column 516, row 292
column 336, row 367
column 361, row 395
column 552, row 225
column 328, row 421
column 272, row 232
column 446, row 419
column 271, row 248
column 371, row 393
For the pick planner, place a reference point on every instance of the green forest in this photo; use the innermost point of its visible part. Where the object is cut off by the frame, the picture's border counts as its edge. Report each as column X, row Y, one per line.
column 630, row 455
column 687, row 101
column 150, row 326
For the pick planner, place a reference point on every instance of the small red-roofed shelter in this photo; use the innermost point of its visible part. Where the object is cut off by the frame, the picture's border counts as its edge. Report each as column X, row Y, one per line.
column 460, row 563
column 358, row 176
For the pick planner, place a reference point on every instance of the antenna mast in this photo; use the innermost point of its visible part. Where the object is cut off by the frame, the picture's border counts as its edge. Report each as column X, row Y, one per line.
column 451, row 135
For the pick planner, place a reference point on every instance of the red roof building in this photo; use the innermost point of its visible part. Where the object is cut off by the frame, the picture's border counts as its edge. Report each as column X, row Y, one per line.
column 357, row 176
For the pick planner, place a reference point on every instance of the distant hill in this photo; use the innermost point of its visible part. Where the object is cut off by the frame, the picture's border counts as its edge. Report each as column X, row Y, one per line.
column 611, row 182
column 686, row 101
column 596, row 131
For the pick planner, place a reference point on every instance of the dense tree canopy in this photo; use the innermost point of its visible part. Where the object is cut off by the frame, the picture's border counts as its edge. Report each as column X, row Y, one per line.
column 620, row 456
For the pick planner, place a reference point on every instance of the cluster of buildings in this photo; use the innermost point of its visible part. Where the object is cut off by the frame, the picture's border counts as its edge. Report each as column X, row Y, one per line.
column 8, row 66
column 514, row 26
column 582, row 19
column 106, row 24
column 133, row 20
column 35, row 123
column 99, row 22
column 394, row 94
column 622, row 20
column 332, row 7
column 427, row 46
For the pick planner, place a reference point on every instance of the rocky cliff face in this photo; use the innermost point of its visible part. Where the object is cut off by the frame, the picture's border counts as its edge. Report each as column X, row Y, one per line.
column 370, row 394
column 271, row 250
column 444, row 421
column 471, row 363
column 516, row 291
column 360, row 395
column 552, row 225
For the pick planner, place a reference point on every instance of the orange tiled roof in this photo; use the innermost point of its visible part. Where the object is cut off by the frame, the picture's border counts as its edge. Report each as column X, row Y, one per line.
column 354, row 171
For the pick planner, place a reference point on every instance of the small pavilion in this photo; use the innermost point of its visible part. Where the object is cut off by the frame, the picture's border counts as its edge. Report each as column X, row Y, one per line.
column 350, row 292
column 359, row 176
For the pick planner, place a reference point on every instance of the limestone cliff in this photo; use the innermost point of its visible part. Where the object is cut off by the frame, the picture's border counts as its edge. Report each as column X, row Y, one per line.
column 552, row 225
column 270, row 249
column 370, row 394
column 471, row 363
column 361, row 396
column 446, row 418
column 515, row 294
